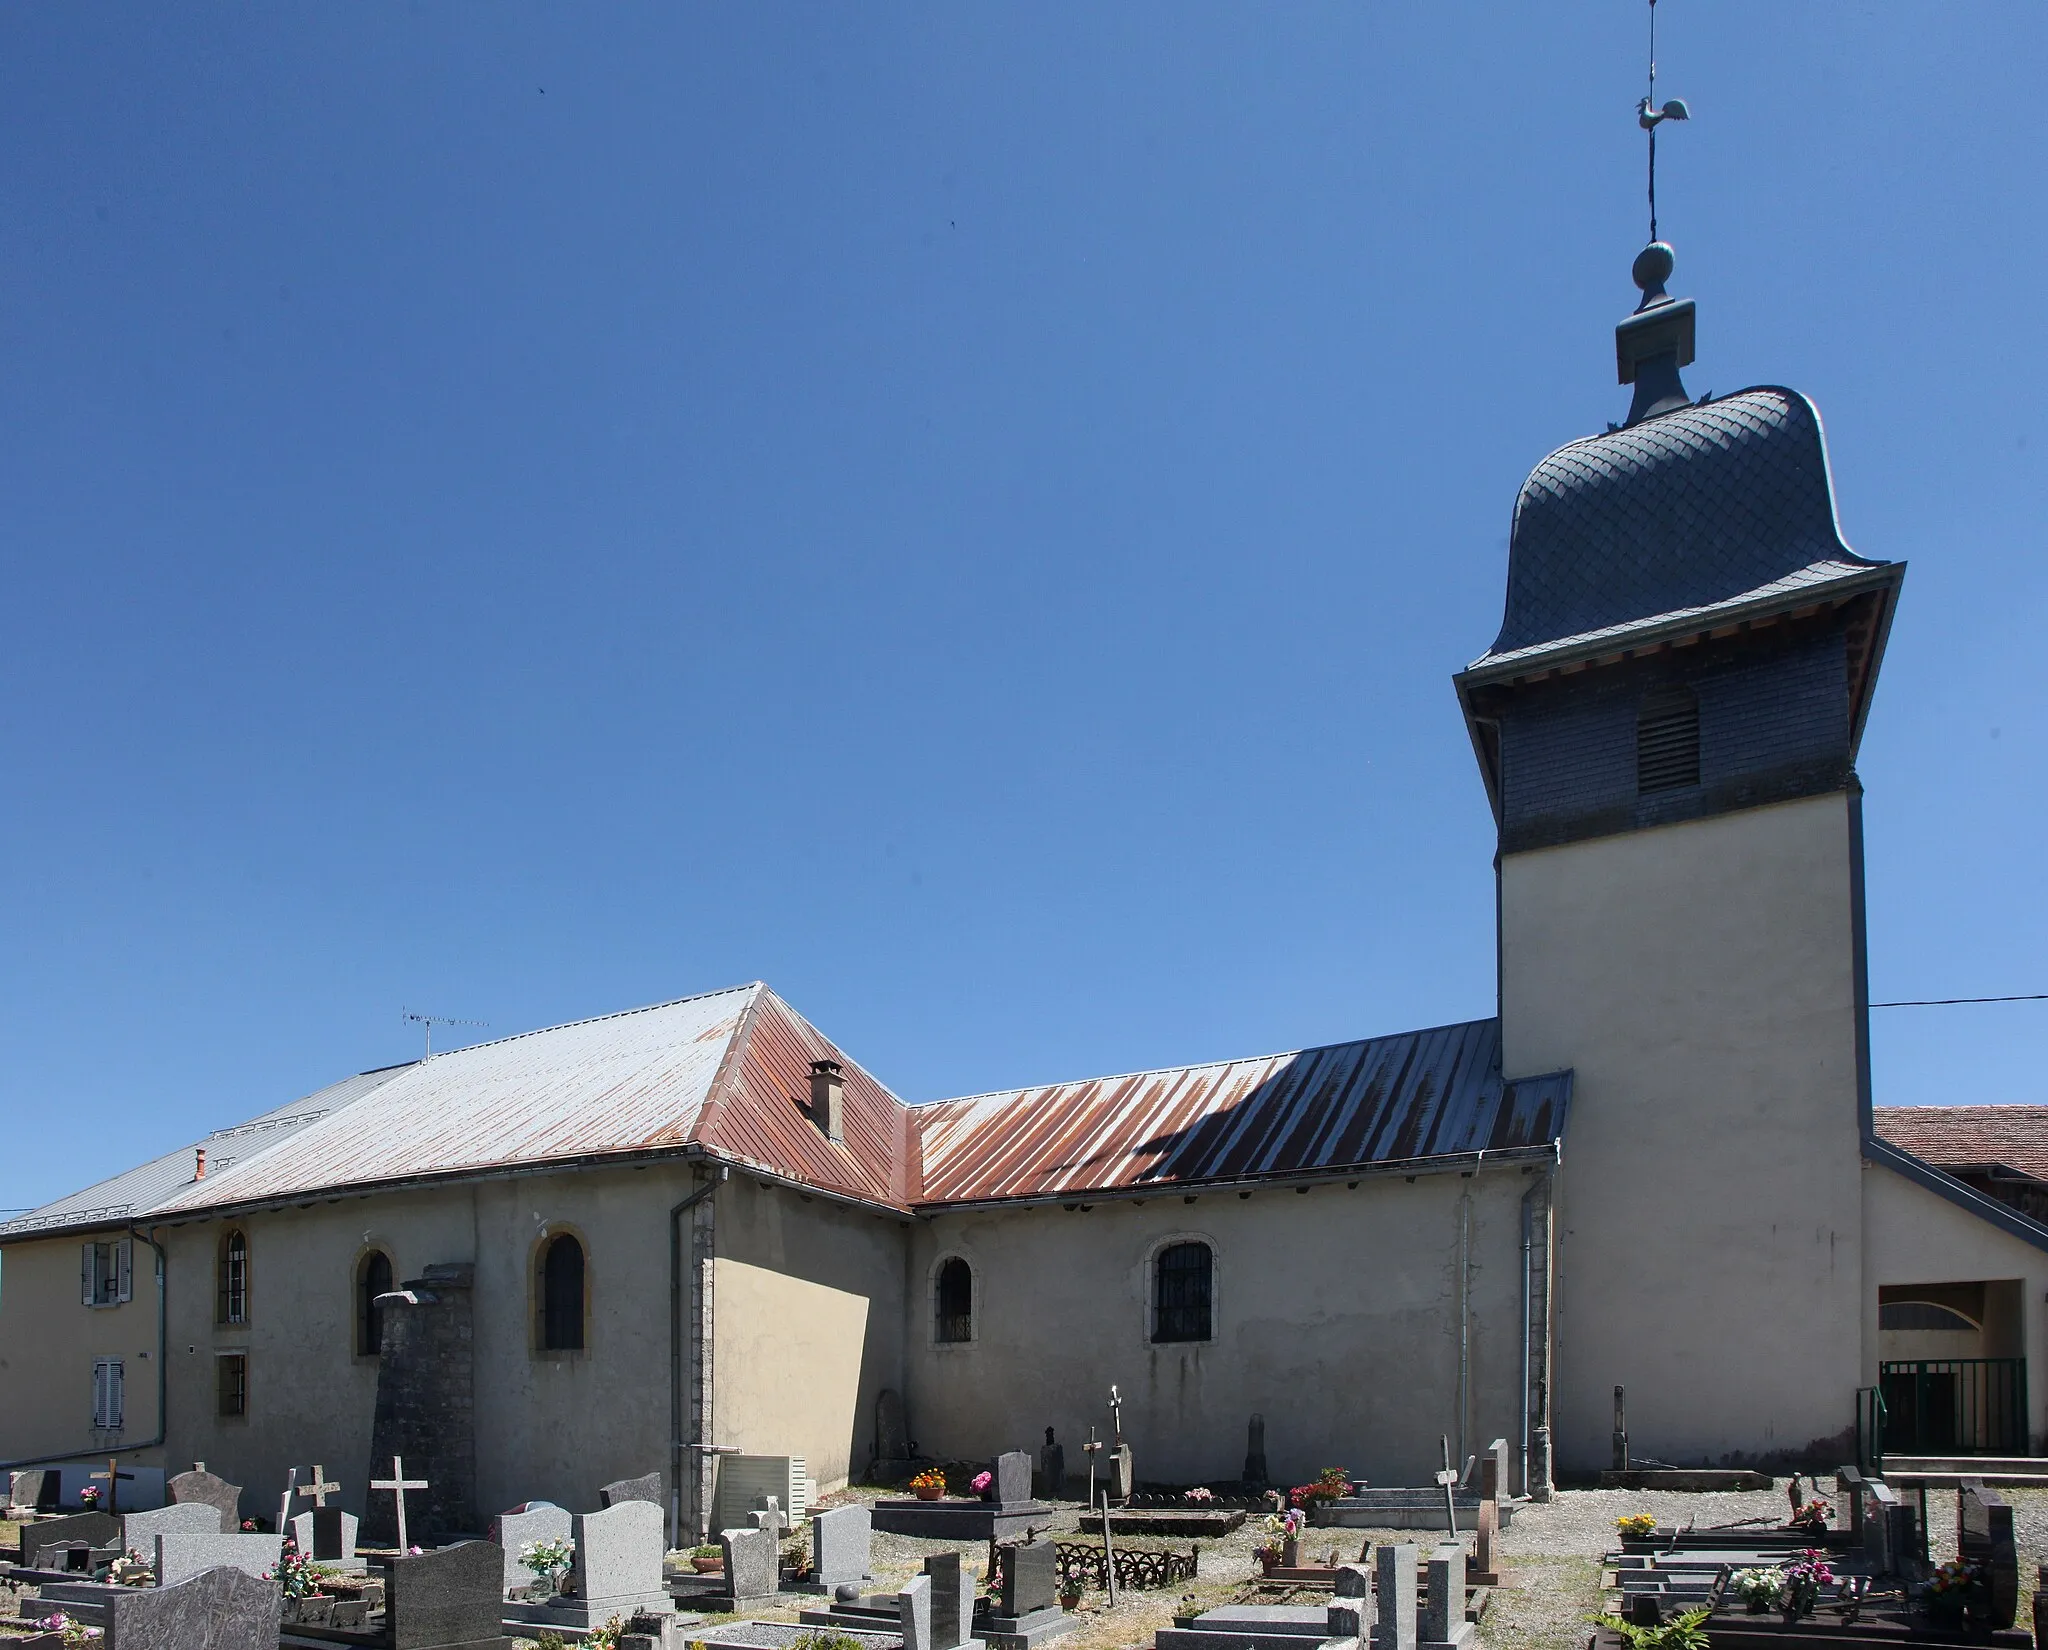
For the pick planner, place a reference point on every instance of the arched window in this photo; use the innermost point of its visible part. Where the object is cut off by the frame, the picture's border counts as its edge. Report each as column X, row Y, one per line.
column 1182, row 1275
column 561, row 1295
column 1668, row 740
column 955, row 1300
column 1924, row 1315
column 232, row 1304
column 373, row 1278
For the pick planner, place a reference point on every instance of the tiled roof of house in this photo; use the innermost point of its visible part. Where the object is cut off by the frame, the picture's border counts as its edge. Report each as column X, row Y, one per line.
column 1684, row 513
column 1959, row 1138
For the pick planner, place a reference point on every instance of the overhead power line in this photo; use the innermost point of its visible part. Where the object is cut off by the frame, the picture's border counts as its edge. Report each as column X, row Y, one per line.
column 1945, row 1002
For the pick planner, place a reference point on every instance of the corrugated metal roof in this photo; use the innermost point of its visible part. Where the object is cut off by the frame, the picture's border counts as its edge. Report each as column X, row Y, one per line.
column 625, row 1082
column 139, row 1190
column 1970, row 1137
column 1416, row 1095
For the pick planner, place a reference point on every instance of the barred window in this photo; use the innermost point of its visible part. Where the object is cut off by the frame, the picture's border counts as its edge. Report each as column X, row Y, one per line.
column 373, row 1278
column 1181, row 1292
column 1668, row 741
column 561, row 1296
column 232, row 1305
column 955, row 1304
column 231, row 1383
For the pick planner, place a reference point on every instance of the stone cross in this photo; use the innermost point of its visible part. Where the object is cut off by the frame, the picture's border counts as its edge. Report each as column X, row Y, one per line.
column 284, row 1501
column 398, row 1484
column 113, row 1475
column 319, row 1489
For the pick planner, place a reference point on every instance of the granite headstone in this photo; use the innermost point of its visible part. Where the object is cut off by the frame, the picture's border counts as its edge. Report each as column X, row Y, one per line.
column 326, row 1534
column 842, row 1542
column 140, row 1529
column 1443, row 1612
column 181, row 1557
column 752, row 1564
column 446, row 1599
column 914, row 1613
column 36, row 1489
column 618, row 1556
column 96, row 1529
column 1052, row 1467
column 1395, row 1629
column 528, row 1522
column 200, row 1485
column 1350, row 1610
column 220, row 1609
column 952, row 1601
column 632, row 1489
column 1030, row 1577
column 1011, row 1477
column 1984, row 1537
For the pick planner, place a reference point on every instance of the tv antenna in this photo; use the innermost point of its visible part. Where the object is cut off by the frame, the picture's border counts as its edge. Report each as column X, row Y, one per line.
column 427, row 1022
column 1650, row 117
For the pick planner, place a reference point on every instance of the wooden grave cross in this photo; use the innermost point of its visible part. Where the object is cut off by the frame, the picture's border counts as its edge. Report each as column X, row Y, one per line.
column 113, row 1475
column 320, row 1489
column 398, row 1484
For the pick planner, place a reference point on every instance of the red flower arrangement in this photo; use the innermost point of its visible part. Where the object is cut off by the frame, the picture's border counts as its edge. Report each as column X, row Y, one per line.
column 1331, row 1483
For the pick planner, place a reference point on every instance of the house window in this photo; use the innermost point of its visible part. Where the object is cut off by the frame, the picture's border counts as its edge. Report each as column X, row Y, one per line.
column 373, row 1278
column 108, row 1394
column 106, row 1273
column 561, row 1295
column 1668, row 741
column 1182, row 1276
column 232, row 1305
column 231, row 1383
column 955, row 1302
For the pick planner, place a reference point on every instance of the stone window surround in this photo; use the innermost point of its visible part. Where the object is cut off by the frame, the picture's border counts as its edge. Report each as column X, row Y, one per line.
column 549, row 1231
column 231, row 1294
column 1148, row 1320
column 931, row 1295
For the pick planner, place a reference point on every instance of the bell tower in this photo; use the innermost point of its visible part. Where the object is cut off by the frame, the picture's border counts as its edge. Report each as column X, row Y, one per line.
column 1667, row 725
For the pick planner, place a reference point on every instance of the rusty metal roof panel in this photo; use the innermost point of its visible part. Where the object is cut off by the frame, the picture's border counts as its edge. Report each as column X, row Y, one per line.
column 626, row 1082
column 1408, row 1097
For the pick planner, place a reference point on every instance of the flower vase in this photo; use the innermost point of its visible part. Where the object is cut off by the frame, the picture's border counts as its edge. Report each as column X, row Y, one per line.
column 707, row 1566
column 930, row 1492
column 1290, row 1553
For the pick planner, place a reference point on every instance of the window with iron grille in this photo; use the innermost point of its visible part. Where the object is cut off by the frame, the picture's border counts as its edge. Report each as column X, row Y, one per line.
column 373, row 1278
column 1181, row 1292
column 231, row 1383
column 232, row 1305
column 955, row 1290
column 561, row 1295
column 108, row 1395
column 1668, row 741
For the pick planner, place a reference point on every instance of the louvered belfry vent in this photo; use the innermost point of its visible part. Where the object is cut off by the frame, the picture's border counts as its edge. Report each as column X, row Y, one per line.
column 1668, row 741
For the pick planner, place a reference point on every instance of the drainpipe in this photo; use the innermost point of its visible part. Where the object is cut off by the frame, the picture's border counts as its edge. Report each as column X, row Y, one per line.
column 1464, row 1318
column 676, row 1338
column 95, row 1451
column 1528, row 1327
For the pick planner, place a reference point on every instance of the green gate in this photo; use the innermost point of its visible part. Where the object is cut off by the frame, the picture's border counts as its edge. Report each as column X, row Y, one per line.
column 1954, row 1406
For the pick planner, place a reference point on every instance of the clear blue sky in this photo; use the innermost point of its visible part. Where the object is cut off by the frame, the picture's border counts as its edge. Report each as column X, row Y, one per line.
column 967, row 513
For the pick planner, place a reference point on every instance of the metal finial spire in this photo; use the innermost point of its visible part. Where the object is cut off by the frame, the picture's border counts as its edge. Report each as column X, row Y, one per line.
column 1650, row 117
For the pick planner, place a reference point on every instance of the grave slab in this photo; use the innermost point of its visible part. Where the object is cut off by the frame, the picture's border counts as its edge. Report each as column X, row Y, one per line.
column 841, row 1549
column 200, row 1485
column 447, row 1599
column 529, row 1522
column 96, row 1529
column 219, row 1609
column 647, row 1488
column 181, row 1557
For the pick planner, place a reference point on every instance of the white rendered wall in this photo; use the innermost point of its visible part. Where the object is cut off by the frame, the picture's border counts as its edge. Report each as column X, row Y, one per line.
column 1336, row 1317
column 1701, row 979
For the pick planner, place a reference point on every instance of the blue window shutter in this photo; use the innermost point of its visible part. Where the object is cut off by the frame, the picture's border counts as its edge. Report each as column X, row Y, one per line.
column 85, row 1275
column 127, row 1271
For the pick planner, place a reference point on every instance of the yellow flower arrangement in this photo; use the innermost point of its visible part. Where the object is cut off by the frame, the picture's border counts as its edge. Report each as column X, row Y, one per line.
column 1636, row 1524
column 930, row 1479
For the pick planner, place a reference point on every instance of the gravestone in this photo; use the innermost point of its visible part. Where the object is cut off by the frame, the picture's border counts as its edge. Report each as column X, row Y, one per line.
column 181, row 1557
column 842, row 1543
column 326, row 1534
column 1443, row 1614
column 2041, row 1604
column 1052, row 1467
column 914, row 1612
column 952, row 1601
column 1010, row 1477
column 1849, row 1490
column 36, row 1489
column 752, row 1566
column 892, row 1439
column 1350, row 1611
column 1902, row 1537
column 1395, row 1629
column 617, row 1566
column 140, row 1529
column 632, row 1489
column 95, row 1529
column 768, row 1516
column 1879, row 1502
column 201, row 1485
column 447, row 1599
column 1122, row 1479
column 1492, row 1471
column 221, row 1609
column 1031, row 1574
column 1984, row 1537
column 528, row 1522
column 1255, row 1453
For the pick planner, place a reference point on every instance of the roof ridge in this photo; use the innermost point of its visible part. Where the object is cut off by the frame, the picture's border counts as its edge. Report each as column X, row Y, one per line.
column 587, row 1020
column 1204, row 1065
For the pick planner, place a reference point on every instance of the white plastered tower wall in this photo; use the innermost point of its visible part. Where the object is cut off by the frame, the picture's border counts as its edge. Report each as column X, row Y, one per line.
column 1702, row 980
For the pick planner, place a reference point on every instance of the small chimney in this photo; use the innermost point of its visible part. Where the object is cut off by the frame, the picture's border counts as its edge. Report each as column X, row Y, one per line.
column 828, row 1098
column 199, row 1165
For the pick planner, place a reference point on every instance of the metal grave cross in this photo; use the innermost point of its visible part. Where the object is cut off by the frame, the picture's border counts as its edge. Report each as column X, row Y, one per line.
column 1116, row 1413
column 1449, row 1480
column 284, row 1502
column 320, row 1489
column 398, row 1484
column 113, row 1476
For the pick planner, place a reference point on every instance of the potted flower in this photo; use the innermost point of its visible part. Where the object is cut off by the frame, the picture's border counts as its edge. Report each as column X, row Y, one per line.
column 1285, row 1547
column 299, row 1584
column 69, row 1631
column 983, row 1485
column 707, row 1560
column 549, row 1560
column 89, row 1497
column 1813, row 1516
column 1951, row 1591
column 1636, row 1526
column 928, row 1485
column 131, row 1570
column 1758, row 1589
column 1804, row 1577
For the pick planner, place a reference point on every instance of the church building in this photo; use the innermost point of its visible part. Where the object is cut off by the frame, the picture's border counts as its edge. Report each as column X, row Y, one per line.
column 637, row 1242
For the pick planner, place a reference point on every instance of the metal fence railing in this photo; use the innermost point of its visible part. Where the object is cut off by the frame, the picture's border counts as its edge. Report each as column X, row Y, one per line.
column 1950, row 1406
